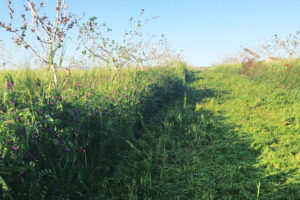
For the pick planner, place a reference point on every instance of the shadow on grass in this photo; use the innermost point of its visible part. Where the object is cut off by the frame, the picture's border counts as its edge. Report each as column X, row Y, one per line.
column 198, row 155
column 213, row 161
column 208, row 160
column 191, row 154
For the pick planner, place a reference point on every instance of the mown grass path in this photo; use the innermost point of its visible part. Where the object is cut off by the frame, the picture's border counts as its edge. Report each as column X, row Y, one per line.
column 233, row 138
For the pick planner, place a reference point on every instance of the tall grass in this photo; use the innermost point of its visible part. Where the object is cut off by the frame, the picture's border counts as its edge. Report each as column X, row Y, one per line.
column 65, row 143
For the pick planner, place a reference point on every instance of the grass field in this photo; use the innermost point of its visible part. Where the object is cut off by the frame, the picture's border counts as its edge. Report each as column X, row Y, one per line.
column 230, row 132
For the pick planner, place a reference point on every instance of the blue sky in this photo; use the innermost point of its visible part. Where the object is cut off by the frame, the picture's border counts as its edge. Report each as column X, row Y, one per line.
column 206, row 30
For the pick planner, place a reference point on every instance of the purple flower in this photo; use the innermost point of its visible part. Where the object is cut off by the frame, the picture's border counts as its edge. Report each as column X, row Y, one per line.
column 23, row 130
column 33, row 157
column 76, row 111
column 73, row 119
column 18, row 118
column 52, row 103
column 78, row 84
column 15, row 147
column 10, row 84
column 38, row 84
column 13, row 102
column 57, row 135
column 22, row 173
column 96, row 111
column 36, row 137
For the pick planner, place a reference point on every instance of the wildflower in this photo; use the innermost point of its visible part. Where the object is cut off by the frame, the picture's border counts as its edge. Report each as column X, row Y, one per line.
column 38, row 84
column 22, row 173
column 36, row 137
column 49, row 130
column 125, row 97
column 96, row 112
column 57, row 135
column 13, row 102
column 33, row 157
column 60, row 141
column 73, row 119
column 76, row 111
column 23, row 130
column 78, row 84
column 287, row 65
column 62, row 89
column 117, row 100
column 52, row 103
column 18, row 118
column 10, row 84
column 89, row 94
column 53, row 97
column 15, row 147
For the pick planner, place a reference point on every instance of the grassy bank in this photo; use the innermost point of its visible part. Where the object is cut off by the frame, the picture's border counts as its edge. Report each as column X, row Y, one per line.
column 167, row 133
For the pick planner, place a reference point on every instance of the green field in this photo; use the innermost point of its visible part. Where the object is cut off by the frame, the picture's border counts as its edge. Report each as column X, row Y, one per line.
column 228, row 132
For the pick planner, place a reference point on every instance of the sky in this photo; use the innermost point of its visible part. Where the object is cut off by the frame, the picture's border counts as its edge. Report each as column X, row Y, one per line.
column 206, row 30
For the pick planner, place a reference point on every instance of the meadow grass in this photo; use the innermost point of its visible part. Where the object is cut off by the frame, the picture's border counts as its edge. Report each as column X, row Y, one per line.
column 163, row 133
